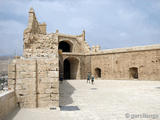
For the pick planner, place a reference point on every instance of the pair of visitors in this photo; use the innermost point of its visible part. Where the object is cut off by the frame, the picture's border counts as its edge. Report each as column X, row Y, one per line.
column 90, row 77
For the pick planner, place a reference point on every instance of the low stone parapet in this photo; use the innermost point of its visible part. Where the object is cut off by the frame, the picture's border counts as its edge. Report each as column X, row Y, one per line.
column 8, row 103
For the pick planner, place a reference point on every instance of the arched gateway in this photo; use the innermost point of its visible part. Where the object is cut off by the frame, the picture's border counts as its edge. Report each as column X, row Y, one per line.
column 71, row 68
column 65, row 46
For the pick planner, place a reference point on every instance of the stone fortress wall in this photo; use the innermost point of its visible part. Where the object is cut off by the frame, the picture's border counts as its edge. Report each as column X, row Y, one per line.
column 121, row 63
column 49, row 57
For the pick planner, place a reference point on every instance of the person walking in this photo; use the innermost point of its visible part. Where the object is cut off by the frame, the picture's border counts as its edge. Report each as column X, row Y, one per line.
column 88, row 77
column 61, row 78
column 92, row 78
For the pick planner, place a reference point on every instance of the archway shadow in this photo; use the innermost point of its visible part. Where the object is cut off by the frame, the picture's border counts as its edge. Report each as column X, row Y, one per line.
column 66, row 90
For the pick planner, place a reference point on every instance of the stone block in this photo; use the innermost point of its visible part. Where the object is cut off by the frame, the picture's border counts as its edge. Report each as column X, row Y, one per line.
column 28, row 74
column 49, row 90
column 42, row 87
column 30, row 98
column 11, row 81
column 53, row 74
column 28, row 105
column 42, row 67
column 19, row 87
column 25, row 68
column 54, row 90
column 43, row 97
column 11, row 68
column 28, row 62
column 11, row 87
column 11, row 75
column 55, row 84
column 42, row 74
column 40, row 61
column 19, row 81
column 53, row 103
column 43, row 104
column 49, row 80
column 54, row 97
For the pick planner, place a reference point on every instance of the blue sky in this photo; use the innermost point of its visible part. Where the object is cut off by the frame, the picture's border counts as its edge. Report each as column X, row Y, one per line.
column 108, row 23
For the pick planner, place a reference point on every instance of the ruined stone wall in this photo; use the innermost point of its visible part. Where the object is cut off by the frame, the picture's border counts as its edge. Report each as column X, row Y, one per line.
column 35, row 76
column 35, row 82
column 36, row 42
column 115, row 64
column 40, row 45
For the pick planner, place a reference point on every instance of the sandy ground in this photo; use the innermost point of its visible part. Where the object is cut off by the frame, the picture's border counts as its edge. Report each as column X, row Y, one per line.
column 105, row 100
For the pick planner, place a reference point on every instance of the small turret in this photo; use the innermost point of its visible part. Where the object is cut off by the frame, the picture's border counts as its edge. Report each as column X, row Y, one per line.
column 57, row 31
column 96, row 48
column 93, row 49
column 83, row 35
column 31, row 10
column 31, row 17
column 33, row 25
column 43, row 27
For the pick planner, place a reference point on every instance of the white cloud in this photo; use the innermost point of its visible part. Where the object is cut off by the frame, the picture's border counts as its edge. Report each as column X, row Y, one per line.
column 110, row 23
column 79, row 23
column 123, row 34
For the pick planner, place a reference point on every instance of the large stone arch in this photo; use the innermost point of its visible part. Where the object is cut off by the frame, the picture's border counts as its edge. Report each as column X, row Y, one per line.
column 71, row 68
column 65, row 46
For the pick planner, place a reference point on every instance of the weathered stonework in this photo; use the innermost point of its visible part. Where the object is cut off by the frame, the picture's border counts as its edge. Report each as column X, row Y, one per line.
column 116, row 64
column 34, row 77
column 50, row 57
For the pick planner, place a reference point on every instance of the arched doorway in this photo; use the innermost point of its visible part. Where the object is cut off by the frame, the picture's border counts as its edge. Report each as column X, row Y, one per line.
column 98, row 73
column 71, row 68
column 66, row 69
column 64, row 46
column 133, row 72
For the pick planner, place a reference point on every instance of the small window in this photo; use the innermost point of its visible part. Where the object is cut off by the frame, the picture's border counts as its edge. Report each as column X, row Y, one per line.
column 133, row 72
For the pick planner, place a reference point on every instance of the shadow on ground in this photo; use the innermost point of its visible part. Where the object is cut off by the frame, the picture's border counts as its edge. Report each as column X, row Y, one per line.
column 66, row 90
column 157, row 87
column 12, row 114
column 69, row 108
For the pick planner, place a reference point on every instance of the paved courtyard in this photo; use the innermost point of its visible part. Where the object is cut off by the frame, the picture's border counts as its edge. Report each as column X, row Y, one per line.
column 105, row 100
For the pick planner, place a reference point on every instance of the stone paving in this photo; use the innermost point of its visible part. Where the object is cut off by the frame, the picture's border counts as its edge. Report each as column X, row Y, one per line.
column 105, row 100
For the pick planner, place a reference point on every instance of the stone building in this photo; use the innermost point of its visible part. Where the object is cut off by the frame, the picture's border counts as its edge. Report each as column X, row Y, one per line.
column 48, row 57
